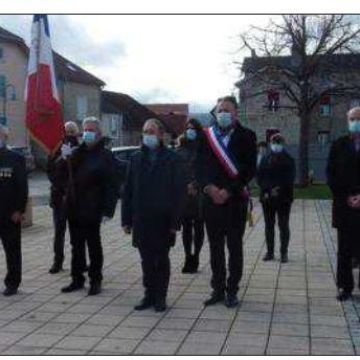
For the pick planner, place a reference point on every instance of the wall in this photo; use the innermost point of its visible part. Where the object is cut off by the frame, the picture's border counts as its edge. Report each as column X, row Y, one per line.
column 14, row 66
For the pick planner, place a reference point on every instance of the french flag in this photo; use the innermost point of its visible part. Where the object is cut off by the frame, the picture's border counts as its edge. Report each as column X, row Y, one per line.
column 43, row 108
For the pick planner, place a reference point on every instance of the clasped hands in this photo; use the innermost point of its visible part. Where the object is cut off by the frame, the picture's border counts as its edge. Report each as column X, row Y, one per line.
column 218, row 196
column 354, row 201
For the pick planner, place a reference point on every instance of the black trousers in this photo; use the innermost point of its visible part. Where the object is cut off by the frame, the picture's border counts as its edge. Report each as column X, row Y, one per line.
column 226, row 223
column 10, row 235
column 345, row 254
column 59, row 219
column 282, row 211
column 80, row 236
column 192, row 233
column 156, row 270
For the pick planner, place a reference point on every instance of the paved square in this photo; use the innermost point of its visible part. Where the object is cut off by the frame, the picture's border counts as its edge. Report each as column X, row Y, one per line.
column 285, row 308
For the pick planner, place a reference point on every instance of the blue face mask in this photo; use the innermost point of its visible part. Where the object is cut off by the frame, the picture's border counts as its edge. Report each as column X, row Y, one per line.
column 354, row 126
column 191, row 134
column 223, row 119
column 151, row 141
column 276, row 148
column 89, row 137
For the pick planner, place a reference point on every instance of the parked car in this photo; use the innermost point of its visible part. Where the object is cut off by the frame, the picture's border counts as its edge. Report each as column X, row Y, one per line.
column 26, row 153
column 122, row 154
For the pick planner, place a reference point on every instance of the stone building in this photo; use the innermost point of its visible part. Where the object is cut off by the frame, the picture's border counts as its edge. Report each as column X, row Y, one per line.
column 265, row 108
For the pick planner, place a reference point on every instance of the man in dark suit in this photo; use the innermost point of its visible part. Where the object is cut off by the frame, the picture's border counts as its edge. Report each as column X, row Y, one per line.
column 13, row 198
column 276, row 176
column 152, row 206
column 343, row 174
column 224, row 181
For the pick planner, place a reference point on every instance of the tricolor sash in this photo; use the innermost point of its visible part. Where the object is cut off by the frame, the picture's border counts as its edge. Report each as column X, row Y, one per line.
column 223, row 154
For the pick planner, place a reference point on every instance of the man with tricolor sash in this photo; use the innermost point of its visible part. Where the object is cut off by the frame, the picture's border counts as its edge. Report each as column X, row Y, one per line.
column 228, row 160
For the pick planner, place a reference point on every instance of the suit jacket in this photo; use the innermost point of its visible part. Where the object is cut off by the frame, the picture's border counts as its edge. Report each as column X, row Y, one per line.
column 343, row 178
column 242, row 145
column 13, row 184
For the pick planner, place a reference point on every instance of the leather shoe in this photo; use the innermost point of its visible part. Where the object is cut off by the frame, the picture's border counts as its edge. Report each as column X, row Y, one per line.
column 9, row 291
column 268, row 257
column 95, row 289
column 231, row 301
column 160, row 305
column 144, row 304
column 72, row 287
column 214, row 299
column 284, row 259
column 55, row 268
column 343, row 295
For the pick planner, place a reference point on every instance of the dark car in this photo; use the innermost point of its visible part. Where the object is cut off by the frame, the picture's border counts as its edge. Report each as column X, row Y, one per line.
column 29, row 158
column 122, row 155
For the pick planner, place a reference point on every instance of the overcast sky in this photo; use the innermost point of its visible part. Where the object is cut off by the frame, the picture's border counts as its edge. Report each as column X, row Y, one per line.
column 154, row 58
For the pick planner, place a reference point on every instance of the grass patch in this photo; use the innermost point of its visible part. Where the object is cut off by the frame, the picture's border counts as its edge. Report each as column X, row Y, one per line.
column 315, row 191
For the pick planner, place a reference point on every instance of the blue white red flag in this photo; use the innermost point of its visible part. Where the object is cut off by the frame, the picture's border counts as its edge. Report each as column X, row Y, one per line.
column 43, row 108
column 221, row 152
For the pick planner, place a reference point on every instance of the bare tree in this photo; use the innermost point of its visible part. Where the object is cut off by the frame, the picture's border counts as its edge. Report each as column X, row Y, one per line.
column 311, row 41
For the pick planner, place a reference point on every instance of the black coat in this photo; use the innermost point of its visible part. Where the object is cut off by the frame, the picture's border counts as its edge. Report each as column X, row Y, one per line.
column 343, row 177
column 243, row 147
column 56, row 175
column 13, row 184
column 189, row 155
column 277, row 170
column 153, row 198
column 94, row 191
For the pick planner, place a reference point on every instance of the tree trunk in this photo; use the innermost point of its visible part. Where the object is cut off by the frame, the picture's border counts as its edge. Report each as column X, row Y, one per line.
column 304, row 148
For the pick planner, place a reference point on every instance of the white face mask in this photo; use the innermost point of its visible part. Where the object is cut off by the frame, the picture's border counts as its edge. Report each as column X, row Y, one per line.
column 276, row 148
column 224, row 119
column 354, row 126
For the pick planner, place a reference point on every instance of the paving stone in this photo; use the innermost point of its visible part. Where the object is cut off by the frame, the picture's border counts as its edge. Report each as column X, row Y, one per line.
column 206, row 337
column 289, row 342
column 327, row 320
column 116, row 346
column 24, row 350
column 9, row 338
column 275, row 351
column 290, row 329
column 331, row 347
column 21, row 326
column 176, row 323
column 77, row 342
column 40, row 340
column 54, row 351
column 149, row 347
column 133, row 333
column 92, row 330
column 326, row 331
column 137, row 321
column 166, row 335
column 212, row 325
column 54, row 328
column 250, row 327
column 199, row 348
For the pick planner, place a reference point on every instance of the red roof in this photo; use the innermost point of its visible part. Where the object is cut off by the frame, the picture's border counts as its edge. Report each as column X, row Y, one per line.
column 175, row 123
column 169, row 108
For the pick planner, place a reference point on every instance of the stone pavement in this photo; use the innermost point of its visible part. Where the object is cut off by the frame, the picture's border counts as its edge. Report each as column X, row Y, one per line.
column 285, row 309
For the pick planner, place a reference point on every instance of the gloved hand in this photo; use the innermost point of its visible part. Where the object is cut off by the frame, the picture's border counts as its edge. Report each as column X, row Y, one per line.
column 66, row 151
column 105, row 219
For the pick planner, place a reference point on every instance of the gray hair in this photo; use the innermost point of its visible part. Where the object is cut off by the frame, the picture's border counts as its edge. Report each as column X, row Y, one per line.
column 356, row 108
column 4, row 130
column 157, row 123
column 93, row 120
column 71, row 125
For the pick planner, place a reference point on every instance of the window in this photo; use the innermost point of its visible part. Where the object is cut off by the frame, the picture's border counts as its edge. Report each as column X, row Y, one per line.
column 113, row 124
column 3, row 120
column 1, row 53
column 323, row 137
column 81, row 107
column 325, row 106
column 2, row 85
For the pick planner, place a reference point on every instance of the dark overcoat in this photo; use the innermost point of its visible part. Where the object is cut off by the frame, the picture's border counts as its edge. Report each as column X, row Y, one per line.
column 343, row 178
column 153, row 197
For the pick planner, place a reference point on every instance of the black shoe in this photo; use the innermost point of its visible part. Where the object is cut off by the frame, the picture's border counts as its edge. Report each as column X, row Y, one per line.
column 268, row 257
column 343, row 295
column 214, row 299
column 145, row 303
column 187, row 265
column 194, row 264
column 231, row 301
column 284, row 259
column 160, row 305
column 72, row 287
column 55, row 268
column 9, row 291
column 95, row 289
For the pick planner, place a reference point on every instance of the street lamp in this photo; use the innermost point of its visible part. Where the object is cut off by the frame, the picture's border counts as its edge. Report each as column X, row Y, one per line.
column 5, row 98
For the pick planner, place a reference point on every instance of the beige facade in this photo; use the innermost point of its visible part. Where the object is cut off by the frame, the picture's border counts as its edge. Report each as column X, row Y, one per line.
column 13, row 67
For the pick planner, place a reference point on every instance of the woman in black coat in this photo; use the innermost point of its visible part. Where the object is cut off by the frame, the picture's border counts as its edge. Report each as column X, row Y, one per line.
column 192, row 221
